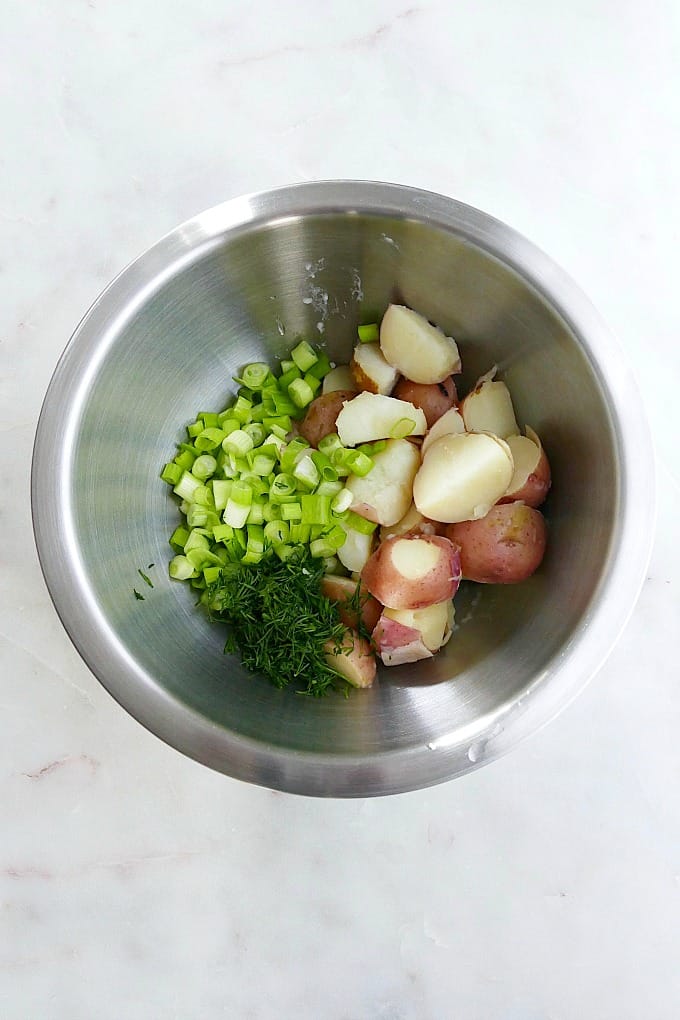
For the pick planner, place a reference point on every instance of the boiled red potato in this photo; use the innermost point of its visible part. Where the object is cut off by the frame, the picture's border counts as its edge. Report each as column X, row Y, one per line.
column 422, row 352
column 370, row 416
column 488, row 408
column 339, row 378
column 352, row 658
column 407, row 635
column 504, row 547
column 320, row 419
column 450, row 424
column 434, row 399
column 384, row 494
column 370, row 371
column 351, row 609
column 531, row 478
column 462, row 476
column 356, row 550
column 412, row 521
column 413, row 571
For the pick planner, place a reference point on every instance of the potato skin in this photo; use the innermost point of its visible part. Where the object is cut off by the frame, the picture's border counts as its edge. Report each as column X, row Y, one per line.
column 434, row 399
column 321, row 415
column 396, row 591
column 536, row 487
column 343, row 590
column 504, row 547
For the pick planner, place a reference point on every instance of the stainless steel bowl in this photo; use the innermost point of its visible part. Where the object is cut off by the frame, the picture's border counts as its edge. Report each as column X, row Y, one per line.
column 242, row 282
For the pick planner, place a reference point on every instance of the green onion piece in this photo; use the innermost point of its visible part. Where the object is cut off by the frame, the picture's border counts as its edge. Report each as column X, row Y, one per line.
column 196, row 540
column 326, row 470
column 404, row 427
column 282, row 487
column 291, row 511
column 187, row 485
column 242, row 409
column 330, row 443
column 255, row 514
column 378, row 447
column 255, row 375
column 301, row 393
column 221, row 491
column 304, row 356
column 279, row 424
column 235, row 514
column 342, row 501
column 223, row 532
column 211, row 574
column 283, row 404
column 306, row 472
column 238, row 443
column 320, row 548
column 289, row 377
column 321, row 368
column 370, row 333
column 360, row 524
column 286, row 364
column 197, row 517
column 204, row 467
column 358, row 463
column 312, row 381
column 299, row 534
column 241, row 493
column 256, row 431
column 329, row 488
column 272, row 512
column 172, row 473
column 195, row 429
column 246, row 394
column 261, row 463
column 336, row 537
column 204, row 497
column 179, row 537
column 276, row 532
column 285, row 552
column 258, row 412
column 229, row 424
column 209, row 418
column 185, row 459
column 315, row 509
column 254, row 545
column 293, row 451
column 209, row 440
column 180, row 569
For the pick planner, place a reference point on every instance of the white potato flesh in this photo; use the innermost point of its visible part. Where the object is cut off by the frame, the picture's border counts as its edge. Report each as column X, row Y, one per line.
column 530, row 481
column 353, row 659
column 356, row 550
column 412, row 520
column 433, row 622
column 385, row 493
column 371, row 416
column 420, row 351
column 488, row 408
column 462, row 476
column 339, row 378
column 414, row 559
column 450, row 424
column 371, row 371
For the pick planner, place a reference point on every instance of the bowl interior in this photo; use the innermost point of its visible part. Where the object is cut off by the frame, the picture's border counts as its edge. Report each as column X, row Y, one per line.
column 249, row 295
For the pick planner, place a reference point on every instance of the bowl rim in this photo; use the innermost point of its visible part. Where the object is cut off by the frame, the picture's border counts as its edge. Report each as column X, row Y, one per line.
column 330, row 774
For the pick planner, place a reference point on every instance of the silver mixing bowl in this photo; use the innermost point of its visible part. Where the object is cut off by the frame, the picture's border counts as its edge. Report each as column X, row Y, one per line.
column 239, row 283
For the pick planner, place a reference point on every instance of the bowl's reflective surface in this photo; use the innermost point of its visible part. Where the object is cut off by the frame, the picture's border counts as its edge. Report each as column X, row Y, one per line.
column 242, row 282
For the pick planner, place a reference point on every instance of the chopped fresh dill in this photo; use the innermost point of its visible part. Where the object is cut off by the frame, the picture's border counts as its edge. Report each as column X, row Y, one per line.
column 139, row 597
column 144, row 577
column 150, row 566
column 279, row 621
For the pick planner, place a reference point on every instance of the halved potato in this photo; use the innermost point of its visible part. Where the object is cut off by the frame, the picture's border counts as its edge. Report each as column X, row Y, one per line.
column 356, row 549
column 434, row 399
column 407, row 635
column 450, row 424
column 353, row 659
column 371, row 371
column 339, row 378
column 412, row 521
column 504, row 547
column 413, row 571
column 530, row 481
column 320, row 419
column 488, row 408
column 420, row 351
column 462, row 476
column 370, row 416
column 384, row 494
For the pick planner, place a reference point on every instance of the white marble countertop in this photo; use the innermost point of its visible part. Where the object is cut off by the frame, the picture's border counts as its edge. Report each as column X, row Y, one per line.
column 137, row 884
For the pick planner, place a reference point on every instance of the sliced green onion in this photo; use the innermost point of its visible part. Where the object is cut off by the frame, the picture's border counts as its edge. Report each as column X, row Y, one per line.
column 304, row 356
column 282, row 487
column 329, row 488
column 211, row 574
column 272, row 512
column 256, row 431
column 197, row 517
column 179, row 537
column 321, row 367
column 301, row 393
column 330, row 443
column 172, row 473
column 195, row 429
column 291, row 511
column 209, row 440
column 293, row 452
column 360, row 524
column 276, row 532
column 238, row 442
column 209, row 418
column 223, row 532
column 180, row 569
column 255, row 375
column 312, row 381
column 221, row 491
column 306, row 472
column 279, row 424
column 254, row 545
column 241, row 410
column 228, row 423
column 255, row 514
column 378, row 447
column 323, row 465
column 299, row 534
column 342, row 501
column 196, row 540
column 404, row 427
column 261, row 463
column 187, row 485
column 315, row 509
column 358, row 463
column 204, row 467
column 336, row 537
column 289, row 377
column 185, row 459
column 370, row 333
column 204, row 497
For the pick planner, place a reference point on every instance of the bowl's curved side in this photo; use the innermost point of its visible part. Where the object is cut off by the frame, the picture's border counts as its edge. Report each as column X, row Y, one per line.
column 395, row 767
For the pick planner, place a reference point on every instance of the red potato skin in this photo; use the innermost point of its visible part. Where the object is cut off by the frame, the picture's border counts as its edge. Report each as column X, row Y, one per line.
column 321, row 415
column 505, row 547
column 536, row 488
column 397, row 644
column 434, row 399
column 392, row 589
column 342, row 590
